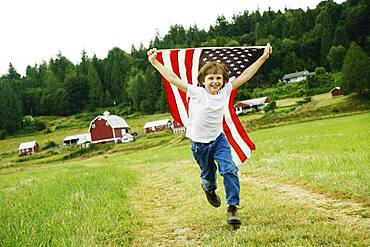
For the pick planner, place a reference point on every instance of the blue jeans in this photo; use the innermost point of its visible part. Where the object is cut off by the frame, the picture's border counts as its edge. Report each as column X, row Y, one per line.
column 219, row 150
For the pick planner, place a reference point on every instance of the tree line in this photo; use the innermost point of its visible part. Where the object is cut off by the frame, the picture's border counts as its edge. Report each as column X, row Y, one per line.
column 333, row 36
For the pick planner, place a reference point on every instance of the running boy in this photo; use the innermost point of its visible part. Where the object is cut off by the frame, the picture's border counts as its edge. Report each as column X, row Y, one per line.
column 204, row 129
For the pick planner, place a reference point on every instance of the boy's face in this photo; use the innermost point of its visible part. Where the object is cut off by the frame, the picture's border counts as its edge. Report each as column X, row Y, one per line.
column 213, row 83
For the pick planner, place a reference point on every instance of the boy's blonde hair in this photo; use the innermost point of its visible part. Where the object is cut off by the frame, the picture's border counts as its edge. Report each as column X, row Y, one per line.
column 213, row 67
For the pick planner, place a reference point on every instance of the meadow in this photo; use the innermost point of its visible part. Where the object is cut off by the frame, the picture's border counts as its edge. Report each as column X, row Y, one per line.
column 147, row 193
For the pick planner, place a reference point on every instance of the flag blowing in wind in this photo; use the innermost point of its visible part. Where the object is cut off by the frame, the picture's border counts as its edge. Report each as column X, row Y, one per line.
column 185, row 63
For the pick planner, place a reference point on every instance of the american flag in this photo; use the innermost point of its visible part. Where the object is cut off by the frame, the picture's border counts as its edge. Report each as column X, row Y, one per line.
column 185, row 63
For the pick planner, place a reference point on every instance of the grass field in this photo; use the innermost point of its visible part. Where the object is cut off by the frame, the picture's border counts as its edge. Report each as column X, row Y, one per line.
column 133, row 195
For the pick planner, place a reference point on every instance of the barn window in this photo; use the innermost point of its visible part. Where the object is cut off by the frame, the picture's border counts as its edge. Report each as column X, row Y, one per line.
column 93, row 126
column 106, row 123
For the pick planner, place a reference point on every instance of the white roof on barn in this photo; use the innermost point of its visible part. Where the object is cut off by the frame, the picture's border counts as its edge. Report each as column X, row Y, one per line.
column 156, row 123
column 295, row 75
column 25, row 145
column 113, row 120
column 84, row 139
column 75, row 137
column 335, row 88
column 256, row 101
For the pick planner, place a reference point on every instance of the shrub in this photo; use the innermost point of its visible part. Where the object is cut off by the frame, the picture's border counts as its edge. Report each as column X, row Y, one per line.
column 2, row 134
column 49, row 144
column 270, row 107
column 320, row 71
column 39, row 125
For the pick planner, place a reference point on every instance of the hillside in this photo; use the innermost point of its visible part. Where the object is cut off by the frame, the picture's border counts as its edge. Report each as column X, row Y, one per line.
column 305, row 185
column 288, row 111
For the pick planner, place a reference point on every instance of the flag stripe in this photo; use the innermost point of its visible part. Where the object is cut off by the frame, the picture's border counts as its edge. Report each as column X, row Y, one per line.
column 240, row 154
column 182, row 114
column 238, row 124
column 196, row 57
column 182, row 74
column 170, row 96
column 233, row 128
column 189, row 65
column 178, row 60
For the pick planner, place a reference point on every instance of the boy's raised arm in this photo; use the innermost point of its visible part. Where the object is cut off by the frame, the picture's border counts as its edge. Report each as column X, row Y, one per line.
column 251, row 70
column 165, row 72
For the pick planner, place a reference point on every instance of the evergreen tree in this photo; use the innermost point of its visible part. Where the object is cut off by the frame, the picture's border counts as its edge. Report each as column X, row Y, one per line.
column 117, row 78
column 107, row 101
column 83, row 67
column 341, row 37
column 10, row 106
column 96, row 92
column 77, row 90
column 356, row 71
column 292, row 63
column 59, row 66
column 12, row 73
column 48, row 100
column 135, row 88
column 336, row 56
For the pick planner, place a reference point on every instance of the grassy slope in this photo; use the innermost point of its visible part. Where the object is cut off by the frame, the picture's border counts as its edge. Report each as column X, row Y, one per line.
column 79, row 204
column 152, row 196
column 328, row 155
column 60, row 128
column 321, row 107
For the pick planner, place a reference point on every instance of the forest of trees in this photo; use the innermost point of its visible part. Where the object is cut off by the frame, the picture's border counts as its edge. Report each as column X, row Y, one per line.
column 333, row 36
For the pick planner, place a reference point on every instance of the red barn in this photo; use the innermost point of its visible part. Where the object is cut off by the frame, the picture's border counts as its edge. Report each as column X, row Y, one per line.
column 251, row 105
column 177, row 127
column 28, row 148
column 107, row 128
column 157, row 126
column 335, row 92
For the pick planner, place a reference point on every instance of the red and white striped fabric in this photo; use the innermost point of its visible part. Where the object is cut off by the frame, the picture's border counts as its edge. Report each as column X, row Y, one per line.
column 185, row 63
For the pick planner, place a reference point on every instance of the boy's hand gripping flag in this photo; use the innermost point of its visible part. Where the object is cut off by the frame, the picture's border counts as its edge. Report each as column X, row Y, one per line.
column 185, row 63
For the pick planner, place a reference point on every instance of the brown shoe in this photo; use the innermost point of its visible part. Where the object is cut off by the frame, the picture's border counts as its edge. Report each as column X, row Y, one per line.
column 212, row 198
column 232, row 216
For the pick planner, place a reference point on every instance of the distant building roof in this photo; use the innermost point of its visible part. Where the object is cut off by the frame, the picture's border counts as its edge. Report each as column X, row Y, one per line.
column 156, row 123
column 335, row 88
column 296, row 74
column 84, row 139
column 85, row 136
column 25, row 145
column 256, row 101
column 113, row 120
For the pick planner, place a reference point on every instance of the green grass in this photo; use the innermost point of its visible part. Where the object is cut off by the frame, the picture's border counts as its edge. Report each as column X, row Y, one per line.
column 152, row 197
column 79, row 204
column 328, row 155
column 322, row 106
column 62, row 127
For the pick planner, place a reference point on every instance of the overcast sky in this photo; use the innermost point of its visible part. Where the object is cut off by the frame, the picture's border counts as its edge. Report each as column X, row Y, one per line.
column 33, row 31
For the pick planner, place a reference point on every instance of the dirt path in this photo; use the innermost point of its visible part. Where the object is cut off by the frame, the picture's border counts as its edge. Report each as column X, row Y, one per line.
column 347, row 212
column 162, row 205
column 171, row 209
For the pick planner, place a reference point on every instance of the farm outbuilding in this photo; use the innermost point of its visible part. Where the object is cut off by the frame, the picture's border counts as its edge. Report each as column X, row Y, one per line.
column 177, row 127
column 251, row 105
column 295, row 77
column 107, row 128
column 28, row 148
column 336, row 92
column 156, row 126
column 81, row 140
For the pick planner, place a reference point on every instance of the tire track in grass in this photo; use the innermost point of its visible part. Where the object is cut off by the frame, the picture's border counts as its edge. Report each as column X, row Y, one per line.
column 159, row 204
column 346, row 212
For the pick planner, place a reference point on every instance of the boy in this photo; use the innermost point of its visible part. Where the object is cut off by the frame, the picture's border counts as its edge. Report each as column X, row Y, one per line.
column 204, row 129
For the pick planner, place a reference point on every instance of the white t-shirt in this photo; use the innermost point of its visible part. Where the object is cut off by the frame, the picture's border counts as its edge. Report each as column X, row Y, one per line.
column 206, row 113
